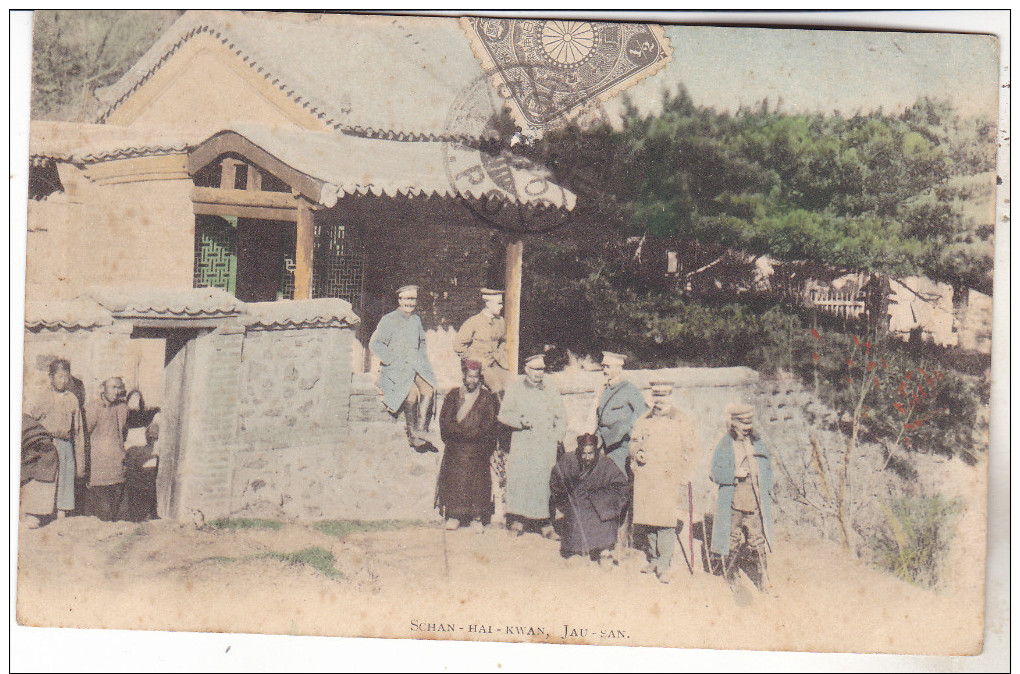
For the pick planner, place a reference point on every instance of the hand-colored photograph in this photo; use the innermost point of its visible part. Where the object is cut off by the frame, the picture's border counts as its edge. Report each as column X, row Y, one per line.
column 509, row 329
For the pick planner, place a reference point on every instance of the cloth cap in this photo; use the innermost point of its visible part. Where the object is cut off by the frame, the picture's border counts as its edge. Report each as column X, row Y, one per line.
column 610, row 358
column 490, row 292
column 662, row 388
column 407, row 291
column 536, row 362
column 467, row 364
column 740, row 412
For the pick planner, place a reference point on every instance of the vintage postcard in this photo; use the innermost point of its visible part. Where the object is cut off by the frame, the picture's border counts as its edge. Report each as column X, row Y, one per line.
column 509, row 329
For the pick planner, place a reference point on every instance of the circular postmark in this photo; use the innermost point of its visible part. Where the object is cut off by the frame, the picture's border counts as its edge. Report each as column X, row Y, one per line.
column 507, row 190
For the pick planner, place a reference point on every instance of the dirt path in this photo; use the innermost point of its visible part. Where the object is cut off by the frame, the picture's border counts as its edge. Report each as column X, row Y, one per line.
column 420, row 582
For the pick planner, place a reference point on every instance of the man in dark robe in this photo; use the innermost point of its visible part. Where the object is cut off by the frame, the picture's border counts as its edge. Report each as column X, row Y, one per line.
column 468, row 427
column 591, row 492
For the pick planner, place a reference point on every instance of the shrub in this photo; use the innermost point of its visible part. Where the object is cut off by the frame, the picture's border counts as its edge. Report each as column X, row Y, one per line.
column 915, row 536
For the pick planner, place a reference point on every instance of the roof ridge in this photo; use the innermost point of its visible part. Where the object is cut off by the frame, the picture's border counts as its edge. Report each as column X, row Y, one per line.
column 292, row 84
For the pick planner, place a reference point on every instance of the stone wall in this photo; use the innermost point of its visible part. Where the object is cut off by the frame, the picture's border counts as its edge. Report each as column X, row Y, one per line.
column 267, row 412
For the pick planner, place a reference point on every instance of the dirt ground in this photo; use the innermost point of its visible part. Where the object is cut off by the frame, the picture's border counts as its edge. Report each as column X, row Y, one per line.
column 418, row 581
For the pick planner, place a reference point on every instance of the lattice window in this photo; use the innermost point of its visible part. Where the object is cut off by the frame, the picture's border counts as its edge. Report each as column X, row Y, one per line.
column 339, row 263
column 216, row 253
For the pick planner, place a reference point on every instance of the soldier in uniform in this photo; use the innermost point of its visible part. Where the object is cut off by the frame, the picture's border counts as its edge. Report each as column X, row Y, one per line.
column 482, row 338
column 407, row 380
column 620, row 405
column 663, row 448
column 742, row 467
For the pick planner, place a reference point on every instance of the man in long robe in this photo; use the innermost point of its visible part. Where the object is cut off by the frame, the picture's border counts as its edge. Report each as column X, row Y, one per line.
column 58, row 410
column 742, row 467
column 591, row 492
column 467, row 423
column 482, row 338
column 663, row 448
column 107, row 427
column 533, row 409
column 620, row 405
column 407, row 380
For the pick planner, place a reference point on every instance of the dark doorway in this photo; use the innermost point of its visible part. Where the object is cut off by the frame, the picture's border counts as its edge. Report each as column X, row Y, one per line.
column 252, row 259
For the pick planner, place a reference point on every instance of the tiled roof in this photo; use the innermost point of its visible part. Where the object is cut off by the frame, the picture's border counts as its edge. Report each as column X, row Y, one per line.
column 167, row 303
column 385, row 77
column 83, row 143
column 74, row 314
column 321, row 312
column 99, row 307
column 372, row 166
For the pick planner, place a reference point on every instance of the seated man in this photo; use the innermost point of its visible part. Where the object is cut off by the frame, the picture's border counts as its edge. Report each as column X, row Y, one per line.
column 590, row 491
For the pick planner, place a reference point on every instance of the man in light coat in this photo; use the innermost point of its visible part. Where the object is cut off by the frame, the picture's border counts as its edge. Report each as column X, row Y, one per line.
column 482, row 338
column 407, row 380
column 663, row 448
column 533, row 409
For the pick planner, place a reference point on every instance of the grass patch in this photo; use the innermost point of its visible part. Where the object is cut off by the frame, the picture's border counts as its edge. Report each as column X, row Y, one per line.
column 242, row 523
column 341, row 528
column 318, row 558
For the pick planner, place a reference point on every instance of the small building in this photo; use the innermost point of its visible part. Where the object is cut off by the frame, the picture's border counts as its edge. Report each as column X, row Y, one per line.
column 238, row 219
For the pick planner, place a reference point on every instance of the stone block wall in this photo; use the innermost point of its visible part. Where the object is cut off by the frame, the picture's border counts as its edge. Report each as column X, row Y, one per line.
column 266, row 422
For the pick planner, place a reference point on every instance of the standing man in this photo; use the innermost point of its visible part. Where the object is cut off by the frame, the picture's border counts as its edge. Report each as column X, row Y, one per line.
column 482, row 338
column 58, row 411
column 407, row 380
column 107, row 426
column 533, row 409
column 620, row 405
column 663, row 449
column 467, row 423
column 742, row 467
column 590, row 492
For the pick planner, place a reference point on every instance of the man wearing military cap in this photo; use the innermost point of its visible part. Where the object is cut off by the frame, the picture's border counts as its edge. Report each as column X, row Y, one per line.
column 482, row 338
column 742, row 467
column 407, row 380
column 533, row 409
column 663, row 450
column 620, row 405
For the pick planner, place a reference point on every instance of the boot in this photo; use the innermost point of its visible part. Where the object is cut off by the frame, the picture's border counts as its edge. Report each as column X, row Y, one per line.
column 411, row 423
column 764, row 582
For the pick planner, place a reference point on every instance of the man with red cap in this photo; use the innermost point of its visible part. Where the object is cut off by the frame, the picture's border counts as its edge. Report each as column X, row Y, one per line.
column 467, row 423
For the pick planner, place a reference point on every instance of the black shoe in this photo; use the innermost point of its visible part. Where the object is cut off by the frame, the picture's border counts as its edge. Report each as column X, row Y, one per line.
column 425, row 448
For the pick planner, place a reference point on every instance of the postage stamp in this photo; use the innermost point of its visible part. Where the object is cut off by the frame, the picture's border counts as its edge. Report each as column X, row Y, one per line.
column 572, row 63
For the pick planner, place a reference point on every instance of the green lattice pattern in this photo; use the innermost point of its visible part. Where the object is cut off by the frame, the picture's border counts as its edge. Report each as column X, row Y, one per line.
column 339, row 263
column 215, row 253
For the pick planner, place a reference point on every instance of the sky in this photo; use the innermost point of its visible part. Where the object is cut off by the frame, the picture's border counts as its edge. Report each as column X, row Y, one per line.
column 826, row 70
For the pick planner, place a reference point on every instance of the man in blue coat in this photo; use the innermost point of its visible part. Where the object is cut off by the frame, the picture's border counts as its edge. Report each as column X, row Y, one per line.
column 742, row 467
column 407, row 380
column 620, row 405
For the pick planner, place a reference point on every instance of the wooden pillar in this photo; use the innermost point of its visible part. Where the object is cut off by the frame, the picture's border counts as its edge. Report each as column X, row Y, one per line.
column 512, row 301
column 304, row 251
